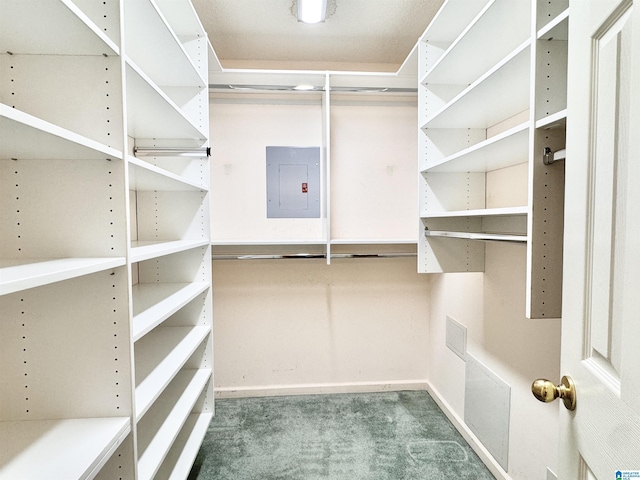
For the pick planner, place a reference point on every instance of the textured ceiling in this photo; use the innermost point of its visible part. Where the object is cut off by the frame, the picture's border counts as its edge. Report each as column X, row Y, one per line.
column 364, row 35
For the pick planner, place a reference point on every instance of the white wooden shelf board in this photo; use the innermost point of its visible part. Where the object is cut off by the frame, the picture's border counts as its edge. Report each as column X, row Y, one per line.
column 66, row 449
column 145, row 250
column 449, row 21
column 182, row 17
column 274, row 242
column 488, row 212
column 372, row 241
column 27, row 137
column 179, row 461
column 153, row 303
column 54, row 28
column 144, row 176
column 157, row 369
column 17, row 275
column 152, row 114
column 558, row 119
column 156, row 48
column 503, row 150
column 556, row 29
column 467, row 57
column 501, row 93
column 498, row 237
column 183, row 393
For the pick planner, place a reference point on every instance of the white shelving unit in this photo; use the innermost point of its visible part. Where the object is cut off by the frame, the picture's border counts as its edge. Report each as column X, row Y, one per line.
column 492, row 97
column 105, row 272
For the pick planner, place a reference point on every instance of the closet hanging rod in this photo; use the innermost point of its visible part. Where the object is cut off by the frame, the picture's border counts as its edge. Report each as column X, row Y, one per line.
column 549, row 157
column 305, row 256
column 171, row 152
column 489, row 237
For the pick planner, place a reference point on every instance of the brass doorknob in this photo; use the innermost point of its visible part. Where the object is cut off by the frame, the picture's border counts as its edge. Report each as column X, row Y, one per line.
column 546, row 391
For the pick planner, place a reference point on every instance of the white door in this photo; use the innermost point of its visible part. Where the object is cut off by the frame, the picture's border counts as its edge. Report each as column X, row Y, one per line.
column 601, row 309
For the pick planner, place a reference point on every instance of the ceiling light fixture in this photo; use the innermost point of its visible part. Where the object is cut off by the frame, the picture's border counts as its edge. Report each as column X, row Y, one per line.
column 304, row 88
column 312, row 11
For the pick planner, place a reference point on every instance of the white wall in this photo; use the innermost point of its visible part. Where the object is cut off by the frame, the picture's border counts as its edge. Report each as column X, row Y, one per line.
column 373, row 168
column 301, row 326
column 519, row 350
column 242, row 126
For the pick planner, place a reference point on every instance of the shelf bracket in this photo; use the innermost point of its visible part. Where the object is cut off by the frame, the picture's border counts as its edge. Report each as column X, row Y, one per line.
column 549, row 157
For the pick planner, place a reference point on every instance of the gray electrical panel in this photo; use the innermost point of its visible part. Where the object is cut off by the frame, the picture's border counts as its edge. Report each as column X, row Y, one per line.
column 293, row 182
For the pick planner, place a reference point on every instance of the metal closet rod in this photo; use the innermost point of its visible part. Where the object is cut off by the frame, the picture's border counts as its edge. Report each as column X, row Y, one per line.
column 307, row 256
column 171, row 152
column 320, row 88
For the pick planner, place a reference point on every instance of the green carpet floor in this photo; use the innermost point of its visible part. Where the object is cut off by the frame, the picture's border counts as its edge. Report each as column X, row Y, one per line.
column 379, row 436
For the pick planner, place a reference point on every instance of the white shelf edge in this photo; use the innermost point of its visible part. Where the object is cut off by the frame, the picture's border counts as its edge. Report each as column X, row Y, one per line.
column 178, row 25
column 152, row 386
column 549, row 121
column 17, row 275
column 182, row 465
column 164, row 97
column 374, row 241
column 164, row 176
column 92, row 26
column 65, row 448
column 146, row 250
column 479, row 146
column 457, row 41
column 497, row 237
column 561, row 17
column 482, row 79
column 76, row 33
column 158, row 448
column 484, row 212
column 242, row 243
column 177, row 43
column 163, row 308
column 42, row 126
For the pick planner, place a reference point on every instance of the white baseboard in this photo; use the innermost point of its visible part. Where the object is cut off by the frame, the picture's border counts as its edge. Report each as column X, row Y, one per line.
column 319, row 388
column 477, row 446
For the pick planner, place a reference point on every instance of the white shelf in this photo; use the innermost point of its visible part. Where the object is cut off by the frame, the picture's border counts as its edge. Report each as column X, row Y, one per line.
column 275, row 243
column 497, row 237
column 28, row 137
column 499, row 94
column 71, row 116
column 485, row 212
column 159, row 356
column 556, row 29
column 152, row 114
column 144, row 176
column 54, row 28
column 156, row 49
column 179, row 461
column 374, row 241
column 157, row 434
column 450, row 20
column 182, row 18
column 461, row 169
column 503, row 150
column 471, row 54
column 556, row 120
column 146, row 250
column 66, row 449
column 17, row 275
column 153, row 303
